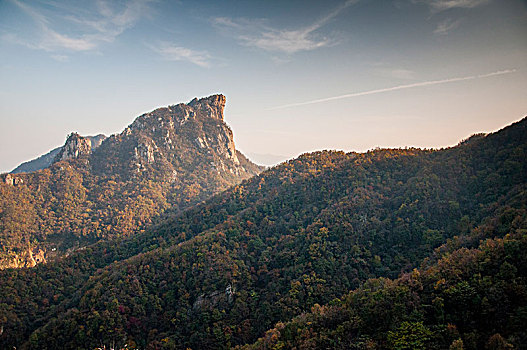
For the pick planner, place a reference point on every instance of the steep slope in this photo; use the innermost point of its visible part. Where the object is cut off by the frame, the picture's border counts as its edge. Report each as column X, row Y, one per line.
column 47, row 159
column 305, row 232
column 184, row 143
column 170, row 158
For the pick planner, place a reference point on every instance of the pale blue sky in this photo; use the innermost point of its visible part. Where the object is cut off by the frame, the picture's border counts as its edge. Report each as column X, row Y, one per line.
column 298, row 75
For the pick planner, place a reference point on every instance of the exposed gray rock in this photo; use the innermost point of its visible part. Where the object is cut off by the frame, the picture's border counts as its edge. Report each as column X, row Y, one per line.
column 75, row 147
column 144, row 153
column 12, row 180
column 47, row 159
column 212, row 105
column 211, row 300
column 96, row 141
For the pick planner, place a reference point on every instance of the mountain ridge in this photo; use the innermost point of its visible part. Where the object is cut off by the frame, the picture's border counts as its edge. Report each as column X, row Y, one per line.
column 297, row 235
column 169, row 158
column 45, row 160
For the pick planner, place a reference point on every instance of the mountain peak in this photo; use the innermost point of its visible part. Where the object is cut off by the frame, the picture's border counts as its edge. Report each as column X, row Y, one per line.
column 75, row 146
column 177, row 137
column 212, row 105
column 207, row 107
column 49, row 158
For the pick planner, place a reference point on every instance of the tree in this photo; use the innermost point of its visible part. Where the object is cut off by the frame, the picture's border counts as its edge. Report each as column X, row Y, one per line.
column 410, row 336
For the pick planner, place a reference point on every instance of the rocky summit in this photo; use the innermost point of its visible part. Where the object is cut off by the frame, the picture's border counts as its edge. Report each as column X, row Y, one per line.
column 159, row 142
column 75, row 147
column 98, row 187
column 52, row 156
column 212, row 105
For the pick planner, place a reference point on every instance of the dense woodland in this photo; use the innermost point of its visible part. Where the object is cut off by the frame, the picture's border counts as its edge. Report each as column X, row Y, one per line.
column 470, row 299
column 389, row 249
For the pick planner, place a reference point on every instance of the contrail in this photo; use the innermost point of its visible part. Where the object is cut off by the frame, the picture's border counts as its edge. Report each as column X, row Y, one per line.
column 394, row 88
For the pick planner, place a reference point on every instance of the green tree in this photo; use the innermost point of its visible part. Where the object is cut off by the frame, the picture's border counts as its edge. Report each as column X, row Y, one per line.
column 410, row 336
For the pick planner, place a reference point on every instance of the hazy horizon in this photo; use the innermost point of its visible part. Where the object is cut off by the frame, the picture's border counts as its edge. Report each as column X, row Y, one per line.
column 299, row 76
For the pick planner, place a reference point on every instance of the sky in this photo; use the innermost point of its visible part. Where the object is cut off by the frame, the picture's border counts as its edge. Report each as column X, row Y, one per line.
column 299, row 76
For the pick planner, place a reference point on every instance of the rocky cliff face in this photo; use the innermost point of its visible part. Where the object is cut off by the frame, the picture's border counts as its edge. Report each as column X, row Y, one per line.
column 212, row 105
column 96, row 140
column 27, row 258
column 75, row 147
column 171, row 139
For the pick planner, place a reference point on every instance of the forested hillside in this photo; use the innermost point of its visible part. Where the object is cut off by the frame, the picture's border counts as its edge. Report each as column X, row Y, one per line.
column 170, row 158
column 471, row 299
column 300, row 235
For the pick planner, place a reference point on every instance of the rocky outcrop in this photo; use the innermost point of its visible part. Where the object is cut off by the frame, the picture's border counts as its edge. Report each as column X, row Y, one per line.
column 167, row 133
column 12, row 180
column 175, row 116
column 144, row 154
column 75, row 147
column 96, row 140
column 47, row 159
column 212, row 105
column 211, row 300
column 28, row 258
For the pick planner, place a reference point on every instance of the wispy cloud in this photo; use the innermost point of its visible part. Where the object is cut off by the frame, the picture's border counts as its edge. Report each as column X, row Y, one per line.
column 446, row 26
column 172, row 52
column 257, row 34
column 395, row 88
column 91, row 29
column 442, row 5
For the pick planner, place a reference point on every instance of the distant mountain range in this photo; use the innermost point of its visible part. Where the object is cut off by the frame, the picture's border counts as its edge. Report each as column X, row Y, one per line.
column 97, row 187
column 387, row 249
column 267, row 159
